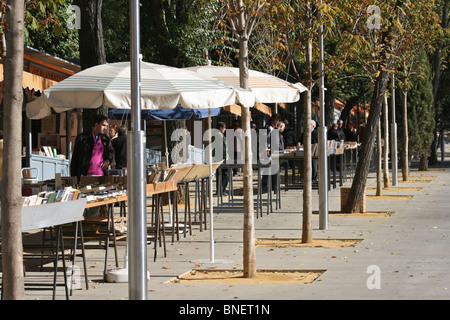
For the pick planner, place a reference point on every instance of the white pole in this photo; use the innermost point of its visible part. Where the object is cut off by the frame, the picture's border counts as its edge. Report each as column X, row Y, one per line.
column 394, row 136
column 211, row 209
column 211, row 218
column 323, row 165
column 137, row 220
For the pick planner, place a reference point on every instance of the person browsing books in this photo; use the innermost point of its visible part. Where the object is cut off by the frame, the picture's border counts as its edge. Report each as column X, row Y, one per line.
column 93, row 151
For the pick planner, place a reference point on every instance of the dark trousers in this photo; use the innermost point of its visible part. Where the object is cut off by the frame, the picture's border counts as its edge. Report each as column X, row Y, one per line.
column 225, row 177
column 315, row 169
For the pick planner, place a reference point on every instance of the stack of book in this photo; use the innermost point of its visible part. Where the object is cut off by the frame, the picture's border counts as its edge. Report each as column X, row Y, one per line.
column 101, row 191
column 62, row 195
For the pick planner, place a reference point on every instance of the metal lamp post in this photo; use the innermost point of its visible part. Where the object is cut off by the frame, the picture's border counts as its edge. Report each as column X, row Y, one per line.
column 394, row 137
column 137, row 220
column 323, row 165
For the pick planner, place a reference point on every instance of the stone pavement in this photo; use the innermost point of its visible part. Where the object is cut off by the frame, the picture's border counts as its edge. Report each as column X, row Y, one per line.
column 405, row 255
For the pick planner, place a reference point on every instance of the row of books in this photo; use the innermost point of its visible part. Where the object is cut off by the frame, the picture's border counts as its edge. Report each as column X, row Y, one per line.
column 98, row 192
column 50, row 152
column 155, row 176
column 62, row 195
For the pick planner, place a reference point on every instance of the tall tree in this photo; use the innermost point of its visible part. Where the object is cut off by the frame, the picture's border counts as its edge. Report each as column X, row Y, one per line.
column 386, row 149
column 442, row 50
column 178, row 32
column 18, row 19
column 116, row 30
column 11, row 231
column 386, row 50
column 422, row 33
column 242, row 18
column 421, row 117
column 297, row 24
column 91, row 46
column 307, row 228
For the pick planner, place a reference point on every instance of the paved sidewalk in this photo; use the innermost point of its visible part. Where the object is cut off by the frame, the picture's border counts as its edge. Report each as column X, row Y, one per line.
column 409, row 248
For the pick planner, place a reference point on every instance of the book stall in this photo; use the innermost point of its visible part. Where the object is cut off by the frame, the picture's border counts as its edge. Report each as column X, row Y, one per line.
column 61, row 205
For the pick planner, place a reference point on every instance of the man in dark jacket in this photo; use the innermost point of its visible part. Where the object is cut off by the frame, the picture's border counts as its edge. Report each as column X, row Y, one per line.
column 340, row 130
column 289, row 135
column 93, row 151
column 120, row 148
column 314, row 140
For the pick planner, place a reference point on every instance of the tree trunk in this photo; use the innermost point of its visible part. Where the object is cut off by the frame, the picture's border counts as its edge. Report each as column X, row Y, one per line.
column 423, row 163
column 330, row 98
column 249, row 217
column 379, row 192
column 388, row 40
column 386, row 143
column 348, row 107
column 168, row 52
column 405, row 151
column 11, row 216
column 249, row 258
column 307, row 162
column 92, row 50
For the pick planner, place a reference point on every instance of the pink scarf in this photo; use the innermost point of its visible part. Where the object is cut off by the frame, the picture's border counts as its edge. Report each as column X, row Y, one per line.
column 96, row 158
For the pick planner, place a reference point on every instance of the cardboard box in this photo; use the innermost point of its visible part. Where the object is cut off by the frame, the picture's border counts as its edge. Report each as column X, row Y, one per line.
column 48, row 124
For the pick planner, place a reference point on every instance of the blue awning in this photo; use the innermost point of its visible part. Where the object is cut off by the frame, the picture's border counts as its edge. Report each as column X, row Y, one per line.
column 165, row 114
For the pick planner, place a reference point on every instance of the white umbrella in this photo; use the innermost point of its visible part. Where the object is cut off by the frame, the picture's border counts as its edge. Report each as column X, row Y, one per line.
column 267, row 88
column 162, row 87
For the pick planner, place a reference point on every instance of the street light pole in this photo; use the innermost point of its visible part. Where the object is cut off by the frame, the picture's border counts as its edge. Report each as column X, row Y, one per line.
column 394, row 160
column 136, row 193
column 323, row 166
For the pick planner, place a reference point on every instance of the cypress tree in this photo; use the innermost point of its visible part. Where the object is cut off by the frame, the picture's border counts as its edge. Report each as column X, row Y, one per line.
column 421, row 121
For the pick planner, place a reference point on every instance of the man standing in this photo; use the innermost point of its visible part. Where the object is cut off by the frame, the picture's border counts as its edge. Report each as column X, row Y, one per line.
column 314, row 140
column 281, row 127
column 289, row 135
column 270, row 127
column 225, row 171
column 315, row 161
column 120, row 148
column 238, row 145
column 340, row 130
column 93, row 151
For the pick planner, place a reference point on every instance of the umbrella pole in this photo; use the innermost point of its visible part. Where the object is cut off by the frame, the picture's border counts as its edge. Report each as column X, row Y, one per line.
column 211, row 209
column 211, row 217
column 165, row 144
